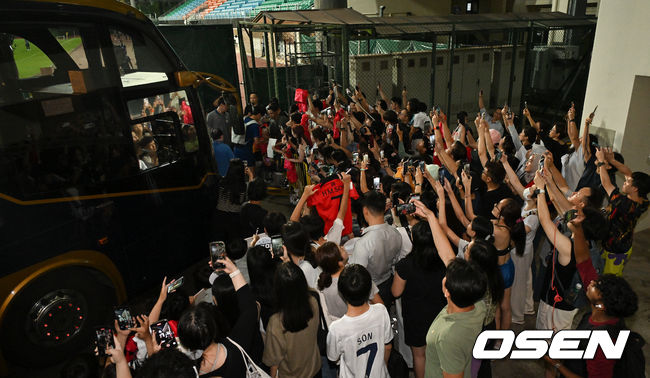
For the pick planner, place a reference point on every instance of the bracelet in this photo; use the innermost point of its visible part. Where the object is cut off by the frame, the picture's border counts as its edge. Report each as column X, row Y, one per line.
column 417, row 184
column 600, row 164
column 235, row 273
column 541, row 191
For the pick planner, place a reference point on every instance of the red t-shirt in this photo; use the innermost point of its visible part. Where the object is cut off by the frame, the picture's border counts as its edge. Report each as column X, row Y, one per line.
column 327, row 199
column 304, row 122
column 599, row 366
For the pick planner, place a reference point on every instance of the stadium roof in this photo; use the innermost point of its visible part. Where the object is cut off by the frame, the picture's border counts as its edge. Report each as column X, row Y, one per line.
column 403, row 25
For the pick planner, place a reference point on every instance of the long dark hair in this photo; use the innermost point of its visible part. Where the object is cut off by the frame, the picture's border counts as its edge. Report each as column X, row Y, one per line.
column 261, row 271
column 484, row 255
column 511, row 214
column 292, row 297
column 234, row 182
column 424, row 250
column 483, row 228
column 297, row 241
column 328, row 257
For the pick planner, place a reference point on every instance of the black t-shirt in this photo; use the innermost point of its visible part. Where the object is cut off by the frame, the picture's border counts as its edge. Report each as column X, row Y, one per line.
column 486, row 200
column 562, row 273
column 252, row 217
column 422, row 299
column 557, row 149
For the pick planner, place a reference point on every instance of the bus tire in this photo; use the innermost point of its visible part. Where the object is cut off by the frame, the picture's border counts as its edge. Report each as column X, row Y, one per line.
column 54, row 317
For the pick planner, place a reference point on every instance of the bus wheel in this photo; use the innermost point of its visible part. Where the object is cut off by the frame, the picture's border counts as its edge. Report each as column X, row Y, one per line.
column 54, row 317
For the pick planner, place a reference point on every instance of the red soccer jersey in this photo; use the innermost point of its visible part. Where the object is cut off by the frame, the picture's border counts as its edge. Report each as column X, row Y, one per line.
column 327, row 199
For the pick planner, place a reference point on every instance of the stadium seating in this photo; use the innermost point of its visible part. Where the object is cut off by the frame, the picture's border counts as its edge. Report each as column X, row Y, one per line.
column 278, row 5
column 223, row 9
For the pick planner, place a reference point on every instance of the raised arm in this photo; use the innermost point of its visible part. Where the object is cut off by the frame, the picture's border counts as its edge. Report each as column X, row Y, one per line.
column 467, row 184
column 481, row 103
column 530, row 119
column 572, row 128
column 297, row 211
column 512, row 177
column 482, row 152
column 561, row 242
column 442, row 214
column 343, row 207
column 489, row 146
column 154, row 315
column 510, row 125
column 445, row 130
column 440, row 240
column 458, row 210
column 404, row 100
column 601, row 157
column 382, row 94
column 586, row 140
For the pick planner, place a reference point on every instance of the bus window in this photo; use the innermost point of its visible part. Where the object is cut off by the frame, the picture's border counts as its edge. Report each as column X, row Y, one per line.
column 160, row 131
column 30, row 60
column 138, row 60
column 70, row 40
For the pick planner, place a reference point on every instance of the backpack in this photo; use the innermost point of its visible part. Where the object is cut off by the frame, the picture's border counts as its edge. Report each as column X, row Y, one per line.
column 632, row 361
column 575, row 293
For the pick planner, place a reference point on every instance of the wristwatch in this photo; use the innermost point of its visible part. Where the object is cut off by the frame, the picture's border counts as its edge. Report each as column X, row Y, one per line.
column 600, row 164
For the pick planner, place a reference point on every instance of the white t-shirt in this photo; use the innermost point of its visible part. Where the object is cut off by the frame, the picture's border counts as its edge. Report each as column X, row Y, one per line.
column 420, row 119
column 532, row 221
column 573, row 166
column 359, row 343
column 311, row 273
column 335, row 232
column 407, row 245
column 462, row 247
column 335, row 304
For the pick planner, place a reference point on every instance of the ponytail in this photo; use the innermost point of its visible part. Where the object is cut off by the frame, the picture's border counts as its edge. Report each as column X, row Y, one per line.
column 324, row 280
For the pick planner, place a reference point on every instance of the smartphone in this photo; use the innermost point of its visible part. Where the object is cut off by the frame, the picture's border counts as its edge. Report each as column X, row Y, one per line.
column 541, row 164
column 163, row 334
column 526, row 104
column 355, row 157
column 570, row 215
column 276, row 246
column 466, row 169
column 175, row 285
column 124, row 318
column 366, row 159
column 441, row 175
column 330, row 140
column 406, row 208
column 376, row 183
column 432, row 139
column 414, row 197
column 104, row 339
column 422, row 166
column 217, row 252
column 381, row 154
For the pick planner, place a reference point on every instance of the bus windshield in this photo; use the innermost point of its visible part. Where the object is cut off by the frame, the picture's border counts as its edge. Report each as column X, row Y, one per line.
column 84, row 105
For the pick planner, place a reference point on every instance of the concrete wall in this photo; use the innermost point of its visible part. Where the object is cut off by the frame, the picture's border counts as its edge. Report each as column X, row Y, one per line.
column 619, row 63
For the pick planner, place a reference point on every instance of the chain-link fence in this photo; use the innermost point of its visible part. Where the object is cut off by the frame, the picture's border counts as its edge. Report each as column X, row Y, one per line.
column 542, row 61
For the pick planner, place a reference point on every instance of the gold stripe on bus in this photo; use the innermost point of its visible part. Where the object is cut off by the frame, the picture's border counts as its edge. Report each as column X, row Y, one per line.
column 104, row 195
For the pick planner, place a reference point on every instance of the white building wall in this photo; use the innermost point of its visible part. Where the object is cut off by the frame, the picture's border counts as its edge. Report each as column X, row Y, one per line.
column 621, row 53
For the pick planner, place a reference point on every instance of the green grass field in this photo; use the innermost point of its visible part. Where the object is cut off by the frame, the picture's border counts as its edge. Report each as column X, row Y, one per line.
column 29, row 63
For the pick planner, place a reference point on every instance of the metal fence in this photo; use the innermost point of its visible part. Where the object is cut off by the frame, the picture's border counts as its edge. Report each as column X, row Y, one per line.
column 542, row 63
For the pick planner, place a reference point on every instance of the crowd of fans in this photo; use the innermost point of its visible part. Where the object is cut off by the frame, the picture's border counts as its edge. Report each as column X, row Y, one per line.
column 409, row 236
